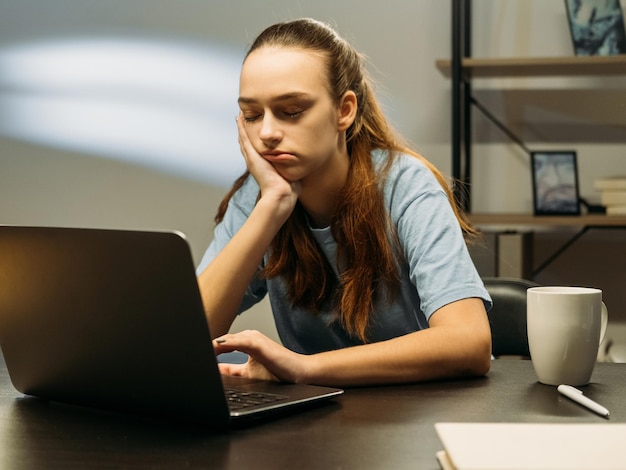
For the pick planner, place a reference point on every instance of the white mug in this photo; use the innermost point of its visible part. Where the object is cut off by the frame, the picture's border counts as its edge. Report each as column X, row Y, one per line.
column 565, row 328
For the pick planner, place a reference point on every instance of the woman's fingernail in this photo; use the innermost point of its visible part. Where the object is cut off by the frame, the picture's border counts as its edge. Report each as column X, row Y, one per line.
column 220, row 340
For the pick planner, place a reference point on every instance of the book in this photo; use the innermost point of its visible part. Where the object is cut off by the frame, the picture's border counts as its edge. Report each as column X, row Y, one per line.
column 572, row 446
column 612, row 194
column 614, row 197
column 610, row 183
column 616, row 210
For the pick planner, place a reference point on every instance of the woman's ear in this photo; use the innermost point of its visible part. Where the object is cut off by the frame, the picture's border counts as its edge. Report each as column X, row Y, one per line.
column 347, row 110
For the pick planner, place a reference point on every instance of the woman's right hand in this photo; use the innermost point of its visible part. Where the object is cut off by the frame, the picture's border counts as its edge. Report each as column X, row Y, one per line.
column 273, row 186
column 267, row 359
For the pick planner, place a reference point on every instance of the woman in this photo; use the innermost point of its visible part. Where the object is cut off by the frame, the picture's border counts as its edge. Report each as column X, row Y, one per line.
column 355, row 238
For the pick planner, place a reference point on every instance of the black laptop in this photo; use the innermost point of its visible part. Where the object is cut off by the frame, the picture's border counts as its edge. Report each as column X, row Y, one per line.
column 114, row 319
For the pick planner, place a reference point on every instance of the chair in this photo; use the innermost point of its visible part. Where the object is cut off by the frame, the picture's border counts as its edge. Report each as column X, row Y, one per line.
column 507, row 317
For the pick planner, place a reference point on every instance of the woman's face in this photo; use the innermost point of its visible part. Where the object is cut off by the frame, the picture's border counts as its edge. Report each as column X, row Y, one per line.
column 289, row 115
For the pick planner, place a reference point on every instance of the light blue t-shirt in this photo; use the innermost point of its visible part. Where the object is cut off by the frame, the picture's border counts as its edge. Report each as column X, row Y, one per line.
column 436, row 269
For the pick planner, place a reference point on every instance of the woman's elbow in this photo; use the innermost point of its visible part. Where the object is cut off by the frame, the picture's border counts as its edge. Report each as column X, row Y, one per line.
column 480, row 358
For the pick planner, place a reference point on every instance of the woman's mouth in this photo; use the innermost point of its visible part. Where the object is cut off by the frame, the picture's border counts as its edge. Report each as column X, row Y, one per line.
column 278, row 156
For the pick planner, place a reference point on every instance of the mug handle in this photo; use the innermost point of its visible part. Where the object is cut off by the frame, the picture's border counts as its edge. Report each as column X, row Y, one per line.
column 605, row 321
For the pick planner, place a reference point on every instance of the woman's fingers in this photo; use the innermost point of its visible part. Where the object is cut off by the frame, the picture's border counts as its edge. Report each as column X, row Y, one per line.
column 263, row 171
column 267, row 360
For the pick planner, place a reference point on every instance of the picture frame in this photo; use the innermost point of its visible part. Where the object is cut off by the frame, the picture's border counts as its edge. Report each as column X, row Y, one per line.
column 596, row 27
column 555, row 182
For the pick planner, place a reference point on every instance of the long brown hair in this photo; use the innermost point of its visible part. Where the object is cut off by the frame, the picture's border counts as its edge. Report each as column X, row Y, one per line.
column 367, row 249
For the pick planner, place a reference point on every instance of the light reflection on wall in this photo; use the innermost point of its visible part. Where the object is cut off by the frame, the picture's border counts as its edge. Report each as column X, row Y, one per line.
column 167, row 106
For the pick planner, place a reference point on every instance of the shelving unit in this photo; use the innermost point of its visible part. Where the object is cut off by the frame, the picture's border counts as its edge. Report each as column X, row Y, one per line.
column 462, row 68
column 537, row 67
column 561, row 221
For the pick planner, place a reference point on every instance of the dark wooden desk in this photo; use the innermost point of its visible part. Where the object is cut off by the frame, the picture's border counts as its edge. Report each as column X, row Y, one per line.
column 367, row 428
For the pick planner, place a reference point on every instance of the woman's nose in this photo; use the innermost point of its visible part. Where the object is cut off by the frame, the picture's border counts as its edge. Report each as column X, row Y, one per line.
column 270, row 130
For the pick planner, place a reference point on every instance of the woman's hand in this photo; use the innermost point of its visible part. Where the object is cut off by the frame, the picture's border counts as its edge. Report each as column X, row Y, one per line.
column 272, row 184
column 268, row 360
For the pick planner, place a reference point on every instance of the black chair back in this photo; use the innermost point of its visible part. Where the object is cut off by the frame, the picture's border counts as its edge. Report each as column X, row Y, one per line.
column 508, row 316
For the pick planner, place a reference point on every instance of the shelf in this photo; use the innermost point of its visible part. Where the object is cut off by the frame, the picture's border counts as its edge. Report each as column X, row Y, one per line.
column 538, row 67
column 563, row 221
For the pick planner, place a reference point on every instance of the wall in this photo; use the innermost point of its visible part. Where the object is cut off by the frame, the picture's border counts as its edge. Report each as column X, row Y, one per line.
column 163, row 155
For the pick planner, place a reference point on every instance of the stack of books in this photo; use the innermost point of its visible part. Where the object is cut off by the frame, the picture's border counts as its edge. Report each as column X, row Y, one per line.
column 612, row 194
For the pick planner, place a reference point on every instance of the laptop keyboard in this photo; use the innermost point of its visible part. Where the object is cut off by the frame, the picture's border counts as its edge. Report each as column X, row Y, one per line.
column 240, row 399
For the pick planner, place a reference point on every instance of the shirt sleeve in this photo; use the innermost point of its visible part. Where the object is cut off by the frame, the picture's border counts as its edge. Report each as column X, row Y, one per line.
column 431, row 238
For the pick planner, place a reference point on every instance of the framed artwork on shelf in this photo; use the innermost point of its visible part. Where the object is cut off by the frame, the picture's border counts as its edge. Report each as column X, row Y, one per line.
column 555, row 183
column 596, row 27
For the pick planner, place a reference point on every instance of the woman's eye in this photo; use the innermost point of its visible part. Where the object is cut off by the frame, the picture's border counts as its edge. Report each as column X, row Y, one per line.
column 251, row 118
column 293, row 114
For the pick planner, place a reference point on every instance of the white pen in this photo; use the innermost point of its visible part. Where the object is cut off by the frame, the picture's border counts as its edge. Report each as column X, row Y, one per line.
column 577, row 396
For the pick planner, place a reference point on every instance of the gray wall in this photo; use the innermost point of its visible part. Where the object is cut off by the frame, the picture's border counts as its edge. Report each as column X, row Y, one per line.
column 175, row 174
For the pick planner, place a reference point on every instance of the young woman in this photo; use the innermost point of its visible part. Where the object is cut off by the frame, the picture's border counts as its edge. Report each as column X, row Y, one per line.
column 355, row 238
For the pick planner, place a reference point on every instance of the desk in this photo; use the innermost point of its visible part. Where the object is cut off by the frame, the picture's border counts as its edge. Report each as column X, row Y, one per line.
column 367, row 428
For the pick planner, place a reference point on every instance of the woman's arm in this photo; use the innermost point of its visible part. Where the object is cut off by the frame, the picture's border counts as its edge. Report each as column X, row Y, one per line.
column 224, row 281
column 458, row 343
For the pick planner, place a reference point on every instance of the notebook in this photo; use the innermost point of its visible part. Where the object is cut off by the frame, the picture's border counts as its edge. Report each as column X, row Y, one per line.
column 546, row 446
column 114, row 319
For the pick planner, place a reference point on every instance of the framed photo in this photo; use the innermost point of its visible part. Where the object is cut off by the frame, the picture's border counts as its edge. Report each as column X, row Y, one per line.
column 596, row 27
column 555, row 183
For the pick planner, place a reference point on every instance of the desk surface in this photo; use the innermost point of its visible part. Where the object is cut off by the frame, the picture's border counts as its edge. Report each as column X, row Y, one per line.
column 379, row 427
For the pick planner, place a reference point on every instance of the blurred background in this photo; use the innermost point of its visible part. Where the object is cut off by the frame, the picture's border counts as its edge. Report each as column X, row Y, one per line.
column 120, row 113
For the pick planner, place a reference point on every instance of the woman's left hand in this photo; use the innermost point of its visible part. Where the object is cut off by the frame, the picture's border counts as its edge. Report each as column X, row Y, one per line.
column 268, row 360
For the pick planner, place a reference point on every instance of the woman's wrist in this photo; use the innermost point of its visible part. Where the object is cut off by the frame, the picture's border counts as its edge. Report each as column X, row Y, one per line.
column 276, row 209
column 307, row 371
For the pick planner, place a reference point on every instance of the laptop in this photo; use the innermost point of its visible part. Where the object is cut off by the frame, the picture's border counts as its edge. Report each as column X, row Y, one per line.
column 114, row 319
